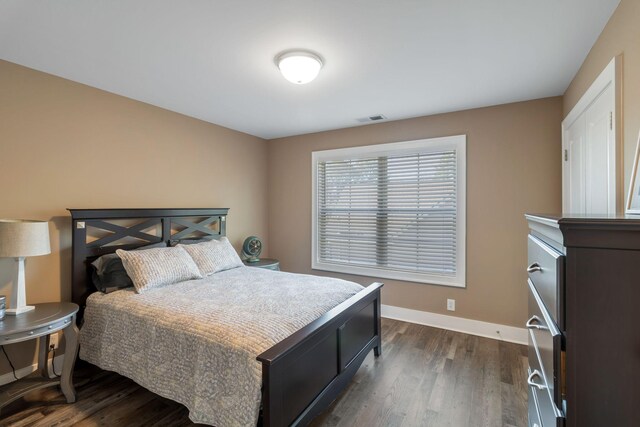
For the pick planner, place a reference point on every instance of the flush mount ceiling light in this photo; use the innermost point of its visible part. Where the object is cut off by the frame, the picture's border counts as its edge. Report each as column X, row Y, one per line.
column 299, row 67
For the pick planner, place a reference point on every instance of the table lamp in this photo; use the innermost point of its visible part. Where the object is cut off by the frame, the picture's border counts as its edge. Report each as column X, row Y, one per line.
column 21, row 238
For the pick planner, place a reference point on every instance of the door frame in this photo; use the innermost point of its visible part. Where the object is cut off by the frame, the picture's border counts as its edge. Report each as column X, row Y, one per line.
column 611, row 75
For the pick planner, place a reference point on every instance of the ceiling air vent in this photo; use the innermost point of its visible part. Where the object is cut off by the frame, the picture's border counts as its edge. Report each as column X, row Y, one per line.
column 371, row 118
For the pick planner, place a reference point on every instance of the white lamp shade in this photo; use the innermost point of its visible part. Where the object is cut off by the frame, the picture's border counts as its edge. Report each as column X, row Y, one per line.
column 299, row 67
column 24, row 238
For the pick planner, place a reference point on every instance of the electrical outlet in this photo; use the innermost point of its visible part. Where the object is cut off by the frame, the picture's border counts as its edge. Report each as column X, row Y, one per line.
column 451, row 305
column 53, row 342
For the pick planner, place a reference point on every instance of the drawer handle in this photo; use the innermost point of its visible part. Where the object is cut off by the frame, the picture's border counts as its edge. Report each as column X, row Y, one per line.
column 531, row 323
column 534, row 267
column 532, row 383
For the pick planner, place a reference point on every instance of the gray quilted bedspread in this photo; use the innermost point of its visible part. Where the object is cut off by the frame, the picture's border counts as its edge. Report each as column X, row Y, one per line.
column 196, row 342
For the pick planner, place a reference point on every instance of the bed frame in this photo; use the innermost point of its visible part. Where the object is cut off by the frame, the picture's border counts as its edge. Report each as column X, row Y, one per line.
column 302, row 374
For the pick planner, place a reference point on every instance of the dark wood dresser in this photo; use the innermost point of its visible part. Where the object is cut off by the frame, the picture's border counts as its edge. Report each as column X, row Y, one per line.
column 584, row 321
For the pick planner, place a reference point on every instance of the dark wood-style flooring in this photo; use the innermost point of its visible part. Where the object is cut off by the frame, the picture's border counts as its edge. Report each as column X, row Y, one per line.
column 425, row 377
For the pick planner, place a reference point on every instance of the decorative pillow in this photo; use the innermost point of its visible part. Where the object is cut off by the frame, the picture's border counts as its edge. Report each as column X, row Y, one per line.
column 108, row 273
column 158, row 267
column 173, row 243
column 213, row 256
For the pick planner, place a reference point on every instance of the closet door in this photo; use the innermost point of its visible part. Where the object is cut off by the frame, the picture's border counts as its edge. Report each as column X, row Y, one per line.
column 590, row 152
column 575, row 167
column 599, row 189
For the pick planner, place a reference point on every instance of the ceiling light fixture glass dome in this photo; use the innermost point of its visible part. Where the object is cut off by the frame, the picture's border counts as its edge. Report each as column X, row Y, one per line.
column 299, row 67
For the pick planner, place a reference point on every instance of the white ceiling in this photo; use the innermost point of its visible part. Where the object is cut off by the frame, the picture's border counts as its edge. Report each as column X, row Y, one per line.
column 213, row 59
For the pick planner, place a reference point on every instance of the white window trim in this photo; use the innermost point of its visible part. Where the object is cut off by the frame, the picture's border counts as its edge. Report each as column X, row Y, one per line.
column 457, row 142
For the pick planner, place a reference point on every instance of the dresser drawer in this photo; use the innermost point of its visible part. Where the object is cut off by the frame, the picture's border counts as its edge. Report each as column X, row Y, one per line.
column 546, row 412
column 534, row 408
column 545, row 343
column 542, row 412
column 546, row 271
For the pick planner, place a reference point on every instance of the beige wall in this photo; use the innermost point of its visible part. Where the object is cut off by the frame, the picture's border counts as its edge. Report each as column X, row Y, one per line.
column 621, row 35
column 513, row 167
column 66, row 145
column 63, row 144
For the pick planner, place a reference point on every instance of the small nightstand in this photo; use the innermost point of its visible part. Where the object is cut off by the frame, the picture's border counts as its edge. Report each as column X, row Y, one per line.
column 40, row 323
column 266, row 263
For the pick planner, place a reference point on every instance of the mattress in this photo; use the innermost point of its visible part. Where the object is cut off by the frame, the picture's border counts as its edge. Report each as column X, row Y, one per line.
column 196, row 342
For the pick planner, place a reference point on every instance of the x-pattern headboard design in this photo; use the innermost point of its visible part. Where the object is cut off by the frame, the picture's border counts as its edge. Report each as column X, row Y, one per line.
column 120, row 232
column 129, row 229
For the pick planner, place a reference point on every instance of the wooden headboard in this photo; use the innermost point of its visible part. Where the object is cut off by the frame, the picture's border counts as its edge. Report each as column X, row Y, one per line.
column 97, row 232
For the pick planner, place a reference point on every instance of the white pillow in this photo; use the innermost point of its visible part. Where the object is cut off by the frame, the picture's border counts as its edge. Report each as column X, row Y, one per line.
column 151, row 268
column 213, row 256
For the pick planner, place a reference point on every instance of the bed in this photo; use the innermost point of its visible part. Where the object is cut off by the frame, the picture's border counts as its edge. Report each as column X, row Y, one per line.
column 285, row 358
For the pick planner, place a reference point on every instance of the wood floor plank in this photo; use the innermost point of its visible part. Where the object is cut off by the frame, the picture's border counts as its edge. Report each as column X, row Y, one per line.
column 128, row 411
column 28, row 419
column 486, row 404
column 514, row 393
column 425, row 377
column 72, row 414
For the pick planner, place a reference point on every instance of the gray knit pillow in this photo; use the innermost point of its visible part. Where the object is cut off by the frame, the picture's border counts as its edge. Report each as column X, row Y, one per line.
column 213, row 256
column 158, row 267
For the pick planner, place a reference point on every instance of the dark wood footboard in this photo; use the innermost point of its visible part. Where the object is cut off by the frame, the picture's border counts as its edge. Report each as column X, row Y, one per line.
column 305, row 372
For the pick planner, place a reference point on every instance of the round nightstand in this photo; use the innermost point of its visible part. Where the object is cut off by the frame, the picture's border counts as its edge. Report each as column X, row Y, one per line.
column 40, row 323
column 266, row 263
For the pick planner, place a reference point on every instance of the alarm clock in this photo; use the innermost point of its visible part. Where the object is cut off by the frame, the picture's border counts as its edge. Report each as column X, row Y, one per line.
column 251, row 248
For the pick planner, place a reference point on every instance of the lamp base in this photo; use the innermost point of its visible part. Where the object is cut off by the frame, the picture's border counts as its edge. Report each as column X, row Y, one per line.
column 19, row 310
column 18, row 296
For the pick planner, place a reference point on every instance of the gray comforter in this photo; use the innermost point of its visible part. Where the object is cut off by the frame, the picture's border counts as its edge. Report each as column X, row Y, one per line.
column 196, row 342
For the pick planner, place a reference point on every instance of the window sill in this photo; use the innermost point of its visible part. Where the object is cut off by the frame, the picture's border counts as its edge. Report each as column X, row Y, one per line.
column 431, row 279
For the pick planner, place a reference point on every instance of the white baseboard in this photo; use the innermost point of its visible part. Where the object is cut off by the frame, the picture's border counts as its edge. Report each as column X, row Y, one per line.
column 457, row 324
column 23, row 372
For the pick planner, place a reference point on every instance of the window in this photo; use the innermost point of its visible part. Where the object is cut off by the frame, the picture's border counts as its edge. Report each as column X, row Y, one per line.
column 393, row 210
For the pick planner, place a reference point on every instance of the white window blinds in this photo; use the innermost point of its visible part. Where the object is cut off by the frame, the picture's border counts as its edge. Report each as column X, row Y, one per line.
column 392, row 211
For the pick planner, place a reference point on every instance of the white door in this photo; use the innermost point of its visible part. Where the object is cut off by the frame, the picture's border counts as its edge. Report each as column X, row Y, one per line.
column 575, row 166
column 598, row 139
column 590, row 163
